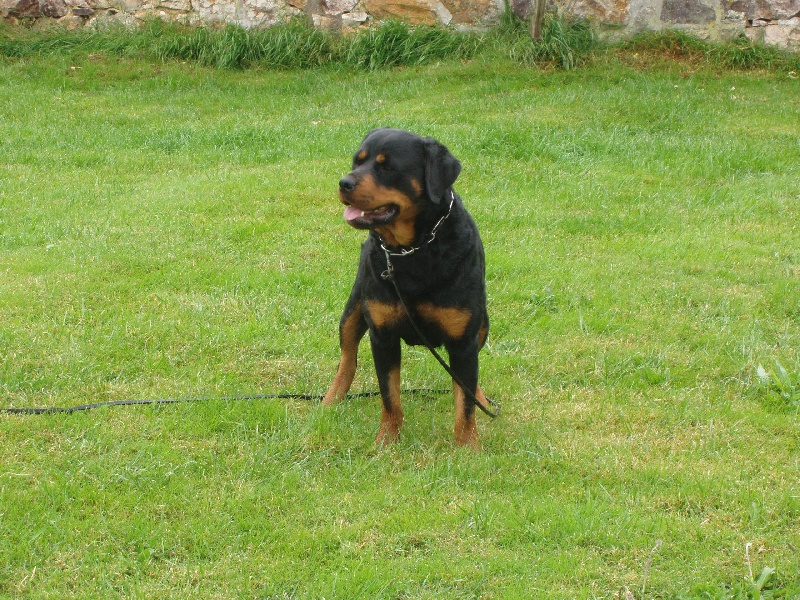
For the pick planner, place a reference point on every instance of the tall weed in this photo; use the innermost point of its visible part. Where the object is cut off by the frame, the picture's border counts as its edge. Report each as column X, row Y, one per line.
column 784, row 383
column 565, row 40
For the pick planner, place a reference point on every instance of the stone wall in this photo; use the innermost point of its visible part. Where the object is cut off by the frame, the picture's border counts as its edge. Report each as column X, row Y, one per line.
column 771, row 21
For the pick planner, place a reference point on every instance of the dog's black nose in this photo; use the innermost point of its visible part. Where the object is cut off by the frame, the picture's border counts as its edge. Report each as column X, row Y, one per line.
column 347, row 184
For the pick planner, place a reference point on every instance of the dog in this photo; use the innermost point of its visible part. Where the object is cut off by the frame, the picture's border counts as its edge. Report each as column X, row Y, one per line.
column 423, row 244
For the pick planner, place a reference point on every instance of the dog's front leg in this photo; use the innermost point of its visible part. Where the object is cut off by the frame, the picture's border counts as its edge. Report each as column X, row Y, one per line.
column 352, row 328
column 386, row 355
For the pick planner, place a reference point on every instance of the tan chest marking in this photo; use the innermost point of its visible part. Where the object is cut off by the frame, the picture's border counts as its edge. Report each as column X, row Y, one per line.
column 382, row 314
column 453, row 321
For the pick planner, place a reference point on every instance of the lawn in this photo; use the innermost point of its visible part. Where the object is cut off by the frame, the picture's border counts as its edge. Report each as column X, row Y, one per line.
column 172, row 231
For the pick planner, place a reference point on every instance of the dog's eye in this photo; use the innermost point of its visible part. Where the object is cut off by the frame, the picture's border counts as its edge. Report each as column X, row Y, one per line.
column 382, row 162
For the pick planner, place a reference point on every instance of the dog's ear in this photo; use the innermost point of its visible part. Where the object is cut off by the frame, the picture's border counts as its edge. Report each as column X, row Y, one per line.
column 441, row 169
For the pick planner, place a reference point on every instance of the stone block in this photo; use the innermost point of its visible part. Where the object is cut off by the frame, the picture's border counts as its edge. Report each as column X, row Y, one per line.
column 687, row 12
column 784, row 34
column 212, row 11
column 642, row 16
column 413, row 11
column 431, row 12
column 25, row 9
column 112, row 18
column 71, row 21
column 354, row 20
column 81, row 8
column 444, row 15
column 521, row 8
column 766, row 9
column 263, row 13
column 179, row 5
column 468, row 12
column 55, row 9
column 604, row 11
column 322, row 22
column 337, row 7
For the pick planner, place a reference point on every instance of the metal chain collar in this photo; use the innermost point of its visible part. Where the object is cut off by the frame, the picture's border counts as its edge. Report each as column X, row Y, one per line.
column 428, row 239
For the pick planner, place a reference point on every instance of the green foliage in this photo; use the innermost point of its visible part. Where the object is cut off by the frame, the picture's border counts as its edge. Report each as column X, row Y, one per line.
column 565, row 40
column 294, row 45
column 566, row 43
column 739, row 53
column 764, row 587
column 297, row 45
column 394, row 43
column 22, row 42
column 786, row 384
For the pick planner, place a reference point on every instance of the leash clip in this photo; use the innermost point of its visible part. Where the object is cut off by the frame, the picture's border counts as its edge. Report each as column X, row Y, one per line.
column 494, row 404
column 388, row 274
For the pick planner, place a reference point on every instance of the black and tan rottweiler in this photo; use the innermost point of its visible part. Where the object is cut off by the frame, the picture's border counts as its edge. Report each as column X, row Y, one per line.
column 400, row 189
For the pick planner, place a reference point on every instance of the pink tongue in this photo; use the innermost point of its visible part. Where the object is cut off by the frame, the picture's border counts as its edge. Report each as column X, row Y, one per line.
column 351, row 213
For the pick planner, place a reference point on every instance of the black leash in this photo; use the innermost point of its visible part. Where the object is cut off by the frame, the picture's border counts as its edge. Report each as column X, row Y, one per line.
column 388, row 275
column 49, row 410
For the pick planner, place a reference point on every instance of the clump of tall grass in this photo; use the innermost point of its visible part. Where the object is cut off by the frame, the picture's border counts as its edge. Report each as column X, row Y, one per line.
column 394, row 43
column 22, row 42
column 297, row 45
column 740, row 53
column 565, row 41
column 293, row 45
column 783, row 382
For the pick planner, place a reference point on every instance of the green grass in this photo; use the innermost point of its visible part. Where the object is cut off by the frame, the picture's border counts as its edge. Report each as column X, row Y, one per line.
column 171, row 230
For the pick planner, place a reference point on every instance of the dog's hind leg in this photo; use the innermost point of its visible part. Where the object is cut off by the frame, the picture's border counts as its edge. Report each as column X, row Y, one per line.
column 464, row 362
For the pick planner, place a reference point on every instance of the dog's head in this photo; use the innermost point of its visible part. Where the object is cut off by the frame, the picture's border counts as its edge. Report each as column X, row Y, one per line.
column 397, row 176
